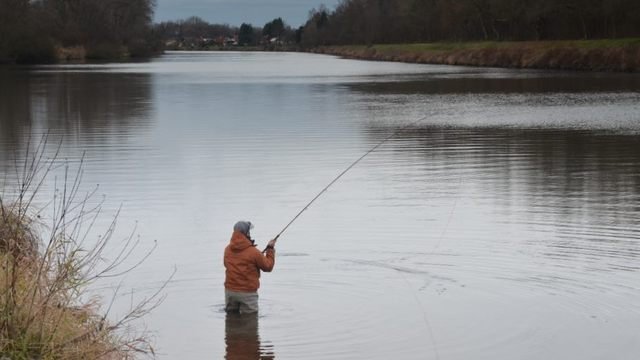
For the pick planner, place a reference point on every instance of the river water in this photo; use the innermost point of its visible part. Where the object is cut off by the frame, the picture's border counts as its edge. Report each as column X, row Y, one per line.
column 500, row 222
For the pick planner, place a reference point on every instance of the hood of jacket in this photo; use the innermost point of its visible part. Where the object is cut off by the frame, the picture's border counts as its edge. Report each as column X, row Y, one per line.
column 239, row 241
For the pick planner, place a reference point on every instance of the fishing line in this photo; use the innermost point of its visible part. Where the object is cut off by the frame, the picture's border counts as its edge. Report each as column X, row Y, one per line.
column 351, row 166
column 415, row 296
column 446, row 226
column 424, row 317
column 345, row 171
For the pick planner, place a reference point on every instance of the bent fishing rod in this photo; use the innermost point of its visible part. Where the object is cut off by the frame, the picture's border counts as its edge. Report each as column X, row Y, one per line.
column 344, row 172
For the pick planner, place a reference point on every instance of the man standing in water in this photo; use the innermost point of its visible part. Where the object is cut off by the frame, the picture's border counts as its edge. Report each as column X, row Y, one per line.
column 243, row 262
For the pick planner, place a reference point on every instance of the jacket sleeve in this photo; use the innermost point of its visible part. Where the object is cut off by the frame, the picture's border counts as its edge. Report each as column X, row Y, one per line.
column 266, row 262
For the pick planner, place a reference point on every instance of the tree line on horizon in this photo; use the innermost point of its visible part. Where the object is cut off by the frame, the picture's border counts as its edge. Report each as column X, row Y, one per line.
column 410, row 21
column 196, row 33
column 32, row 30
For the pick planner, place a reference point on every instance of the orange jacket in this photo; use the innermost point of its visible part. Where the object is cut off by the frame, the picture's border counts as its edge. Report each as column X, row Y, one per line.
column 243, row 262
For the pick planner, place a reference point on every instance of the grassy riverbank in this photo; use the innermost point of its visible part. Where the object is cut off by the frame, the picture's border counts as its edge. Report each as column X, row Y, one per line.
column 47, row 268
column 622, row 55
column 38, row 319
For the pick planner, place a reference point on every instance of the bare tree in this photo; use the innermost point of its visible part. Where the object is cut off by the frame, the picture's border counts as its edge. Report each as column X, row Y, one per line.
column 380, row 21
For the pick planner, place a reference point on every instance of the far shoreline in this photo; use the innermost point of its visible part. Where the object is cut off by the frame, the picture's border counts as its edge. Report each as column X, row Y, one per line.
column 608, row 55
column 604, row 55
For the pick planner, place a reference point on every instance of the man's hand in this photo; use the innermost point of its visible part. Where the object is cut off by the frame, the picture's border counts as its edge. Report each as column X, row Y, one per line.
column 272, row 243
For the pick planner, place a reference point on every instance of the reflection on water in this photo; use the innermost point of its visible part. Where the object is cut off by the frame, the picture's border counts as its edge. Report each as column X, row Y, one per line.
column 524, row 82
column 242, row 339
column 501, row 225
column 559, row 164
column 15, row 114
column 583, row 187
column 86, row 104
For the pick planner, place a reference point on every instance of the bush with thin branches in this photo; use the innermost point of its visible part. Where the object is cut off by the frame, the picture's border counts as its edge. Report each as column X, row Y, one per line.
column 47, row 268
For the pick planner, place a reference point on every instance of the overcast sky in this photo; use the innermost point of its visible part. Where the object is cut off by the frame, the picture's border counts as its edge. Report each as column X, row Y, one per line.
column 235, row 12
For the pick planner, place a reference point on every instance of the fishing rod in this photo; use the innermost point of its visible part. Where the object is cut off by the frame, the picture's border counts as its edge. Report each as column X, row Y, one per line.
column 344, row 172
column 437, row 355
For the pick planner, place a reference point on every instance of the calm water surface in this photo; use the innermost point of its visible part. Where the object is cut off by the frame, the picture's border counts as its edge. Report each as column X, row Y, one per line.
column 501, row 222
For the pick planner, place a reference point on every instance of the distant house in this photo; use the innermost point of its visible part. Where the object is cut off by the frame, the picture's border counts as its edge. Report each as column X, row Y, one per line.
column 219, row 40
column 231, row 41
column 276, row 41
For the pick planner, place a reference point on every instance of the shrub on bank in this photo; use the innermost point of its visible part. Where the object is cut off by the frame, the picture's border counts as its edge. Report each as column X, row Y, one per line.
column 106, row 51
column 46, row 311
column 41, row 317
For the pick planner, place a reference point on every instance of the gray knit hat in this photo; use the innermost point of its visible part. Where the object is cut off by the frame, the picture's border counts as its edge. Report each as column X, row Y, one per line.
column 243, row 227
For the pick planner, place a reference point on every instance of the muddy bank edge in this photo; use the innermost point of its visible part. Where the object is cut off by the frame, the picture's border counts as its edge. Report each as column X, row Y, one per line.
column 588, row 55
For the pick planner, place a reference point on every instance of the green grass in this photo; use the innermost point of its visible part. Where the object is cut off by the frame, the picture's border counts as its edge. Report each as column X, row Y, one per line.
column 606, row 43
column 478, row 45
